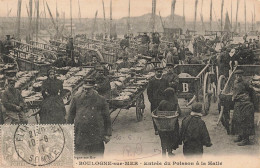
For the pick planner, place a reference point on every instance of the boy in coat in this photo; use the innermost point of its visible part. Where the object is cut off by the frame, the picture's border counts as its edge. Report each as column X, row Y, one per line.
column 194, row 133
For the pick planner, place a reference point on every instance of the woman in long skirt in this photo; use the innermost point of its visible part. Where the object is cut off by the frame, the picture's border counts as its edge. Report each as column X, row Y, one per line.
column 169, row 139
column 52, row 109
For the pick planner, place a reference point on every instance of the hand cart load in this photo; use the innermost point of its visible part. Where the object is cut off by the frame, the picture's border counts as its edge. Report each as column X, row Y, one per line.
column 129, row 92
column 196, row 83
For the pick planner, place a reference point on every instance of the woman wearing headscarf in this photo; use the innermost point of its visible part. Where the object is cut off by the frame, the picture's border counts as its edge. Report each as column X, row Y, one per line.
column 52, row 109
column 169, row 139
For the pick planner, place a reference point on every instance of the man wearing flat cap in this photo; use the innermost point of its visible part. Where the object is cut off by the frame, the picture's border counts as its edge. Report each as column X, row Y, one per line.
column 14, row 104
column 194, row 133
column 102, row 83
column 245, row 104
column 90, row 114
column 155, row 91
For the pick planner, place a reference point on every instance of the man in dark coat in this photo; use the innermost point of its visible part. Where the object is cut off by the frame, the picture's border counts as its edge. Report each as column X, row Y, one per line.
column 223, row 62
column 245, row 104
column 90, row 114
column 194, row 133
column 145, row 39
column 171, row 76
column 155, row 89
column 124, row 43
column 14, row 105
column 7, row 47
column 102, row 83
column 70, row 48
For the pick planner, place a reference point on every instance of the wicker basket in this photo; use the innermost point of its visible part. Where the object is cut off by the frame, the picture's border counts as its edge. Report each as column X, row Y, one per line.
column 164, row 120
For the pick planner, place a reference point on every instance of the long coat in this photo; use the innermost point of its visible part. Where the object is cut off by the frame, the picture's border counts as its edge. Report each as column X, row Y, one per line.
column 155, row 91
column 194, row 135
column 52, row 108
column 11, row 99
column 243, row 117
column 170, row 139
column 90, row 115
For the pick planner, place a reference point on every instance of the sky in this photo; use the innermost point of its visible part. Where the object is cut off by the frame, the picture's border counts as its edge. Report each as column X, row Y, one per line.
column 138, row 8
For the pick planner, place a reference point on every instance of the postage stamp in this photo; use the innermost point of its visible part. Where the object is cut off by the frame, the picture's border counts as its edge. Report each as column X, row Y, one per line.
column 37, row 145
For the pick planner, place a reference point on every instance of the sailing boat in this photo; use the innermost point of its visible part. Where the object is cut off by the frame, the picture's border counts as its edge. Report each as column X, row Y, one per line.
column 227, row 26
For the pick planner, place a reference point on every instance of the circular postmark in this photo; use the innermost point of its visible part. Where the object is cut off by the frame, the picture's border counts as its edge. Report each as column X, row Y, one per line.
column 39, row 145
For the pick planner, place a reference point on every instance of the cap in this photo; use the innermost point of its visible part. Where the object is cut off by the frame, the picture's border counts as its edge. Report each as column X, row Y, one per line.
column 239, row 71
column 99, row 68
column 169, row 65
column 11, row 79
column 103, row 63
column 197, row 107
column 158, row 69
column 89, row 83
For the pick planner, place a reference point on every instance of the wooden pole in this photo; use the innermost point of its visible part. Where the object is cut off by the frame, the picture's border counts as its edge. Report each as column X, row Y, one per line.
column 104, row 15
column 201, row 16
column 19, row 18
column 128, row 20
column 95, row 22
column 245, row 14
column 173, row 11
column 71, row 18
column 161, row 20
column 110, row 23
column 52, row 19
column 210, row 17
column 37, row 19
column 153, row 15
column 231, row 20
column 195, row 16
column 183, row 10
column 237, row 14
column 79, row 13
column 221, row 19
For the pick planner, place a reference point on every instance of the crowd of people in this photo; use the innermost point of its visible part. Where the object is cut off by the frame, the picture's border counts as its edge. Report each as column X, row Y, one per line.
column 89, row 110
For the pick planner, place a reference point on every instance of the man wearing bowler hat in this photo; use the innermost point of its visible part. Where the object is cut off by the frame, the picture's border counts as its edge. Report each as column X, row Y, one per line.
column 90, row 114
column 155, row 91
column 194, row 133
column 14, row 104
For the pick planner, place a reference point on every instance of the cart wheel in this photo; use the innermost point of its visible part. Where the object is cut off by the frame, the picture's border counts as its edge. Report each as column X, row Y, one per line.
column 140, row 106
column 207, row 93
column 221, row 84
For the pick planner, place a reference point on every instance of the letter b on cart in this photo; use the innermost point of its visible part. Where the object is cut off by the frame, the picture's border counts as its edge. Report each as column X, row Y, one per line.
column 185, row 87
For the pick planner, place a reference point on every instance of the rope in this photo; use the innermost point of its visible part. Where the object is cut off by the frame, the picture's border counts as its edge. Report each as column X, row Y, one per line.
column 116, row 117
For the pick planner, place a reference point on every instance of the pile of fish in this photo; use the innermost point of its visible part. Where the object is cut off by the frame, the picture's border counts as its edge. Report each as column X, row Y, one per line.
column 24, row 78
column 256, row 83
column 184, row 75
column 70, row 80
column 132, row 87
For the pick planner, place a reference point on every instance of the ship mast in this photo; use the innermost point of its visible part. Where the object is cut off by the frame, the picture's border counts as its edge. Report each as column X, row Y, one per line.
column 195, row 16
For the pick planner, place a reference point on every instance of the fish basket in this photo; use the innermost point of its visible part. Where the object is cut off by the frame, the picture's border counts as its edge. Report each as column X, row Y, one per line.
column 164, row 120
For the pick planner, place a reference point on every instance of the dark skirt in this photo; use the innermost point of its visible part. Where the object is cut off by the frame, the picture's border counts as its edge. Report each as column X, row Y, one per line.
column 170, row 139
column 52, row 111
column 243, row 118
